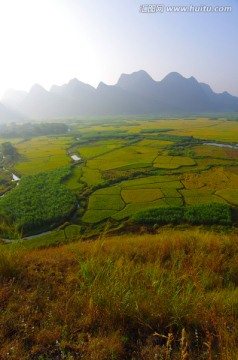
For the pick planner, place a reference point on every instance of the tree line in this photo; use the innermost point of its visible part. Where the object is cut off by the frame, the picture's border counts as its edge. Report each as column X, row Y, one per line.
column 204, row 214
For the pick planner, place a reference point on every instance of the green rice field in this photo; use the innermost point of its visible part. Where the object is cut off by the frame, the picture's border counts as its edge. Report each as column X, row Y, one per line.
column 42, row 154
column 130, row 165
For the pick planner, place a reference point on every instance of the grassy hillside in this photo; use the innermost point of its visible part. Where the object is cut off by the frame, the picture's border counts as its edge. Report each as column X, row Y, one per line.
column 172, row 295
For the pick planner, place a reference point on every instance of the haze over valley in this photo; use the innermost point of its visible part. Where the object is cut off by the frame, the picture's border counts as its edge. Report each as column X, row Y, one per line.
column 133, row 94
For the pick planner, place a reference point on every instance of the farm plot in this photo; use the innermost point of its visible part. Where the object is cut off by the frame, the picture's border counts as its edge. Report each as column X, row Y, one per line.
column 198, row 181
column 200, row 196
column 116, row 190
column 170, row 192
column 174, row 201
column 218, row 130
column 131, row 209
column 158, row 144
column 138, row 196
column 95, row 216
column 211, row 162
column 158, row 185
column 134, row 166
column 230, row 195
column 100, row 148
column 129, row 155
column 73, row 182
column 101, row 206
column 131, row 196
column 232, row 170
column 105, row 202
column 172, row 162
column 42, row 154
column 91, row 177
column 214, row 179
column 152, row 180
column 179, row 125
column 210, row 151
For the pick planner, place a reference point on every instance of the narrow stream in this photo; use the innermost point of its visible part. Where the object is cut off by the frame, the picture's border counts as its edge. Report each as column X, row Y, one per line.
column 42, row 233
column 27, row 237
column 221, row 145
column 75, row 157
column 15, row 178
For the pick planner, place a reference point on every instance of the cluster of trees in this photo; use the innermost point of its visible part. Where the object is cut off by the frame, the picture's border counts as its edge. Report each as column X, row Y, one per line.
column 5, row 177
column 9, row 151
column 205, row 214
column 183, row 145
column 40, row 201
column 32, row 129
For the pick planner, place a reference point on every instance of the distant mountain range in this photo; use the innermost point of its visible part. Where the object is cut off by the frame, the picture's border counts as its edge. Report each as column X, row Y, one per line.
column 8, row 114
column 134, row 94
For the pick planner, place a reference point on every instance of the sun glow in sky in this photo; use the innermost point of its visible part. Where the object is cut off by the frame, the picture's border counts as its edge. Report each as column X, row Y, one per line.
column 52, row 41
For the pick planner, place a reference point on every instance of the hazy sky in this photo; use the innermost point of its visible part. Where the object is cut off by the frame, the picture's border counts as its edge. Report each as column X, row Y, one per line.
column 52, row 41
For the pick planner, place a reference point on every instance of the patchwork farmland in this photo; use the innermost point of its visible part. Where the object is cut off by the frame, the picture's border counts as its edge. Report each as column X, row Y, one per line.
column 128, row 166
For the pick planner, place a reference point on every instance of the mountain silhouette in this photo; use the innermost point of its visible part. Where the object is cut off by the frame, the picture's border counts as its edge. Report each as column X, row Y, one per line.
column 133, row 94
column 8, row 114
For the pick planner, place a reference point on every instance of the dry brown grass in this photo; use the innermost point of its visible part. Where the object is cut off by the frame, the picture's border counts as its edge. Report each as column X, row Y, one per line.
column 167, row 296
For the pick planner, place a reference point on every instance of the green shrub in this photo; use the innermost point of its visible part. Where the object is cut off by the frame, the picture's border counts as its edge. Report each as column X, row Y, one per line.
column 205, row 214
column 208, row 214
column 160, row 215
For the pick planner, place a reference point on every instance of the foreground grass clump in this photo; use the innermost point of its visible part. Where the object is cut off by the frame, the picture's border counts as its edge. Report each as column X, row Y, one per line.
column 167, row 296
column 204, row 214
